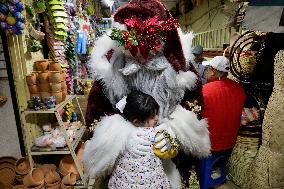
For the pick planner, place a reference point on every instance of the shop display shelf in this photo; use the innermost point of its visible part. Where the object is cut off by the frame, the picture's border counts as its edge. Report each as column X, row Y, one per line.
column 48, row 150
column 70, row 147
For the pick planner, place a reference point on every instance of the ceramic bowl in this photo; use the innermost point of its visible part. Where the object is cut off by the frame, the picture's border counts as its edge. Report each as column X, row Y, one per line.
column 22, row 166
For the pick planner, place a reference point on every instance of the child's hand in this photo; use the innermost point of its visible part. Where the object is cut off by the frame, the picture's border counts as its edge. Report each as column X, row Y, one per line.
column 138, row 144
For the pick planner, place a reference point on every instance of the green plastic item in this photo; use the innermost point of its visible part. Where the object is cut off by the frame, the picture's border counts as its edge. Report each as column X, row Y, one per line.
column 60, row 20
column 57, row 7
column 59, row 26
column 59, row 14
column 61, row 33
column 55, row 2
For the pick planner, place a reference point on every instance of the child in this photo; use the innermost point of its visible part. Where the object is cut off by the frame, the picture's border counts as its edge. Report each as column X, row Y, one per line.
column 131, row 168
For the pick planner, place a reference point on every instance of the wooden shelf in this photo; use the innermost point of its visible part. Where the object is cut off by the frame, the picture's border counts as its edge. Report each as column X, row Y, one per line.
column 48, row 150
column 52, row 110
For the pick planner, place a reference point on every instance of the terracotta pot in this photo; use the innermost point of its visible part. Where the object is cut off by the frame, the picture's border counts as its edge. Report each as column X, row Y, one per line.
column 34, row 178
column 43, row 77
column 41, row 186
column 67, row 165
column 46, row 168
column 54, row 77
column 22, row 166
column 63, row 86
column 42, row 65
column 19, row 187
column 33, row 89
column 7, row 173
column 55, row 184
column 43, row 95
column 31, row 79
column 44, row 87
column 55, row 66
column 56, row 86
column 58, row 96
column 63, row 186
column 69, row 180
column 63, row 75
column 51, row 177
column 64, row 94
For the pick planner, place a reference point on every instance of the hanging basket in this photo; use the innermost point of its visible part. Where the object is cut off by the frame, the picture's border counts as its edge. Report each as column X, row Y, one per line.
column 38, row 35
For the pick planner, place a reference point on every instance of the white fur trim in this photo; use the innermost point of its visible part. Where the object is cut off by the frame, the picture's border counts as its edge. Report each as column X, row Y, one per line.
column 186, row 79
column 186, row 43
column 99, row 64
column 109, row 140
column 172, row 173
column 119, row 25
column 191, row 132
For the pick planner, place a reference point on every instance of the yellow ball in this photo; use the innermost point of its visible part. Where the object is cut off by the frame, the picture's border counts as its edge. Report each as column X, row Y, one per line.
column 11, row 20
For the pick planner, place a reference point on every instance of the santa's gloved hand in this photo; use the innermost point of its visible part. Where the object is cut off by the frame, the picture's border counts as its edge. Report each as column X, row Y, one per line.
column 162, row 139
column 138, row 144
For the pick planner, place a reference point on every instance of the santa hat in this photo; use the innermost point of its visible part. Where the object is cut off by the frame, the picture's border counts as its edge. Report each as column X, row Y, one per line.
column 145, row 9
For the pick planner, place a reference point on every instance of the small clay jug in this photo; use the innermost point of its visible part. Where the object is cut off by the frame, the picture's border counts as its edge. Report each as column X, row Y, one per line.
column 44, row 87
column 22, row 166
column 51, row 177
column 34, row 178
column 44, row 95
column 33, row 89
column 56, row 86
column 57, row 95
column 63, row 86
column 63, row 75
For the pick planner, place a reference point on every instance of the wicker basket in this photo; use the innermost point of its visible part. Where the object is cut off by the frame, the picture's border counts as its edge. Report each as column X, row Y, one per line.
column 241, row 158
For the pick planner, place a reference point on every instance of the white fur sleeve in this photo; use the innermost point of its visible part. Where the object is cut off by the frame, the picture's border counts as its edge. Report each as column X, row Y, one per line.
column 108, row 141
column 191, row 132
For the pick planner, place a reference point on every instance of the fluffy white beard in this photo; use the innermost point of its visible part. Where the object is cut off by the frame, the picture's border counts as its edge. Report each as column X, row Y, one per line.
column 161, row 84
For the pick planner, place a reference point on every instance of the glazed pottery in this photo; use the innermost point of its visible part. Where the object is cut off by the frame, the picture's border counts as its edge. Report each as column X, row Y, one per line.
column 55, row 66
column 54, row 77
column 34, row 178
column 31, row 79
column 43, row 77
column 22, row 166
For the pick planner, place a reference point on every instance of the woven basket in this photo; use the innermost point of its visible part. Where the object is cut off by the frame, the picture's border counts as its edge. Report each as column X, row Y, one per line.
column 241, row 158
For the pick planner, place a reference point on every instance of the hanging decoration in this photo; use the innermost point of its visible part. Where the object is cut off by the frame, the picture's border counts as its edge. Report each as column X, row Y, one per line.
column 12, row 20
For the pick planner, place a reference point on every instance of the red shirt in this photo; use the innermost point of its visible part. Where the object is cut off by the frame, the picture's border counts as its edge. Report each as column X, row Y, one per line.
column 223, row 104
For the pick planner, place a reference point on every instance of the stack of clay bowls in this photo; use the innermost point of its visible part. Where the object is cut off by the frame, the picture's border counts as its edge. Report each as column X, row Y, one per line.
column 69, row 181
column 52, row 180
column 67, row 166
column 22, row 168
column 7, row 171
column 49, row 80
column 34, row 179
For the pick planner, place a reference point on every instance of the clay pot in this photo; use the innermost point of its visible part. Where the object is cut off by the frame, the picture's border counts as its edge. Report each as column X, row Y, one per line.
column 51, row 177
column 56, row 86
column 43, row 77
column 22, row 166
column 19, row 187
column 33, row 89
column 63, row 75
column 54, row 185
column 34, row 178
column 31, row 79
column 46, row 168
column 63, row 186
column 69, row 180
column 58, row 96
column 44, row 87
column 67, row 165
column 64, row 94
column 63, row 86
column 55, row 66
column 42, row 65
column 54, row 77
column 43, row 95
column 7, row 173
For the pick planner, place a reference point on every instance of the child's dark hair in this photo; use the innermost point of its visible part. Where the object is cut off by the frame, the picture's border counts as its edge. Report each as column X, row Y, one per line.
column 140, row 106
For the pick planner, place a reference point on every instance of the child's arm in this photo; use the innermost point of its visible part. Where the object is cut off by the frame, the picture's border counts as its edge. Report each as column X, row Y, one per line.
column 109, row 140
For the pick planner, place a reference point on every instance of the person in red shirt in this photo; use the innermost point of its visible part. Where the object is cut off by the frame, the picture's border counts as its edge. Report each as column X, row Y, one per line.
column 223, row 103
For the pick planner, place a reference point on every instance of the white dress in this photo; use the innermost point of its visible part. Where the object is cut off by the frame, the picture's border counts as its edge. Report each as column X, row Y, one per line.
column 140, row 172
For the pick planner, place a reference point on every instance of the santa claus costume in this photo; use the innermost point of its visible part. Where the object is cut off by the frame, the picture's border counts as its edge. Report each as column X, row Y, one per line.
column 156, row 67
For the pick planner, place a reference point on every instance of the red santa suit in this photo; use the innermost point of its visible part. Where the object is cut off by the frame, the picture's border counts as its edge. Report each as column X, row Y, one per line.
column 166, row 76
